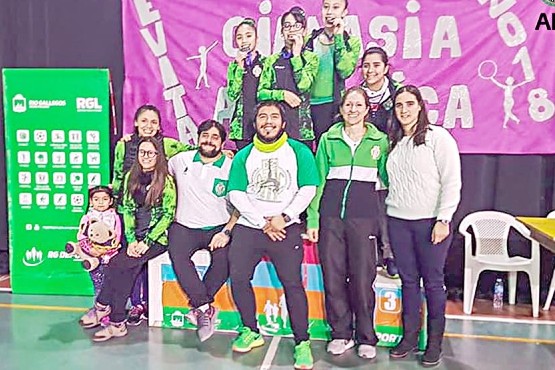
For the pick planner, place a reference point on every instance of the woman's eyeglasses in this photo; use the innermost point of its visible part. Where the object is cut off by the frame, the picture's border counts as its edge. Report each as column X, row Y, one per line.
column 148, row 153
column 292, row 26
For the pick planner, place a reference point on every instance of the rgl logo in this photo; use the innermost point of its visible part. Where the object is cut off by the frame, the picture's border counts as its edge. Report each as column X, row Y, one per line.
column 88, row 105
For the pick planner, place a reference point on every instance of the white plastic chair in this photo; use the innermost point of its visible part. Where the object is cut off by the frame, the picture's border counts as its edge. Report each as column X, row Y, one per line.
column 552, row 286
column 491, row 232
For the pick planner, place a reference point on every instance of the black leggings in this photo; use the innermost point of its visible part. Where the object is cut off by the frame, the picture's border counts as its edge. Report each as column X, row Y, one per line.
column 119, row 277
column 323, row 117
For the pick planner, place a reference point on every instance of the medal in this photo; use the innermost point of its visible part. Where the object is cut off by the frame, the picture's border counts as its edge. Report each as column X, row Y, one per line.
column 256, row 71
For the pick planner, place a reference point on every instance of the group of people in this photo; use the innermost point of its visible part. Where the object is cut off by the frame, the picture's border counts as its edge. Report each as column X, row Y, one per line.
column 382, row 175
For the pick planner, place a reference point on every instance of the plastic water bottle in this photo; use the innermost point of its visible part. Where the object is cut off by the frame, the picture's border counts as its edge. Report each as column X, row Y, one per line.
column 498, row 294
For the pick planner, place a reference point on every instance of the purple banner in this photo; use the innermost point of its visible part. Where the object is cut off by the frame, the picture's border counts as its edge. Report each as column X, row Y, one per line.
column 485, row 72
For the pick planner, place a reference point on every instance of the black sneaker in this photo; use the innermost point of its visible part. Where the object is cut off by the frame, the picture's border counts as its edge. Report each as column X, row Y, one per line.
column 402, row 349
column 136, row 315
column 431, row 358
column 391, row 268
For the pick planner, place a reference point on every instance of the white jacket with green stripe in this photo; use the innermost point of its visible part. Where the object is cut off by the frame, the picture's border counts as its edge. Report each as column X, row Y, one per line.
column 348, row 181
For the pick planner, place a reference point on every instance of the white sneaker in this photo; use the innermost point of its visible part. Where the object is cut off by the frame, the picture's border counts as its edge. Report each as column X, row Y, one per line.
column 366, row 351
column 110, row 331
column 340, row 346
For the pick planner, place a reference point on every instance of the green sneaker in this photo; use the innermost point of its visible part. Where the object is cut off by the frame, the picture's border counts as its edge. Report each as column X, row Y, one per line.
column 247, row 340
column 303, row 356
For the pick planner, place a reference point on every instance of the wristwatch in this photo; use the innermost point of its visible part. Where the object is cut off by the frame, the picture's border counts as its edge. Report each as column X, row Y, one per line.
column 445, row 222
column 286, row 218
column 226, row 232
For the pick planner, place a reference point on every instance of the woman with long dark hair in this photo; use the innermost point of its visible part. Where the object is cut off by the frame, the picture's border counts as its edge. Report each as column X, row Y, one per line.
column 424, row 172
column 149, row 202
column 148, row 123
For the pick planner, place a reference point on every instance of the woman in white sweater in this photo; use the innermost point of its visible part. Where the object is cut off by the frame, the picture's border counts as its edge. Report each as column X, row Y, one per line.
column 424, row 191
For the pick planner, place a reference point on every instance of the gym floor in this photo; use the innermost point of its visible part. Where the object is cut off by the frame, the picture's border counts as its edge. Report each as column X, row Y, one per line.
column 41, row 332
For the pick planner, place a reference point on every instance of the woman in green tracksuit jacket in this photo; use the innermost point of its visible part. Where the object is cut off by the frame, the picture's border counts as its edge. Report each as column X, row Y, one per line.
column 243, row 75
column 149, row 202
column 147, row 123
column 343, row 219
column 287, row 76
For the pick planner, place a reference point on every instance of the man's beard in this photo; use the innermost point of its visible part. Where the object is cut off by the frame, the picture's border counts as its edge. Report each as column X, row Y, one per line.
column 209, row 153
column 266, row 140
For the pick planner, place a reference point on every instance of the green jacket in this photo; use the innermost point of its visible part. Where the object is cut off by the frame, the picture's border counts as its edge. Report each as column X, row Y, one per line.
column 235, row 79
column 126, row 152
column 347, row 179
column 305, row 68
column 346, row 55
column 161, row 215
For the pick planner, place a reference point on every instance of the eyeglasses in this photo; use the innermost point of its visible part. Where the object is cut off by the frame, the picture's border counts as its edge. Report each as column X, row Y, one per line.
column 295, row 26
column 148, row 153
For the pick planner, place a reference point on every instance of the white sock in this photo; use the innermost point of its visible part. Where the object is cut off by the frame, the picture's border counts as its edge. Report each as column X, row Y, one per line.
column 204, row 307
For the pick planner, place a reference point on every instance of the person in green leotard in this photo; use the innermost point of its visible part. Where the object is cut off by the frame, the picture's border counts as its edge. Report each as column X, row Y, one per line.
column 338, row 52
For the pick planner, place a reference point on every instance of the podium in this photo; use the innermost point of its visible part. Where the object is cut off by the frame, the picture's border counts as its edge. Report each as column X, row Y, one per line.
column 168, row 304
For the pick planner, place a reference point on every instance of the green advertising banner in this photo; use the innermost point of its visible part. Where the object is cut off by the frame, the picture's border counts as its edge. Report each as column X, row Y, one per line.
column 57, row 131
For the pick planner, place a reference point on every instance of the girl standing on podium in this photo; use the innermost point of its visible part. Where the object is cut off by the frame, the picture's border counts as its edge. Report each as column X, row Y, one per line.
column 288, row 76
column 338, row 52
column 380, row 88
column 243, row 75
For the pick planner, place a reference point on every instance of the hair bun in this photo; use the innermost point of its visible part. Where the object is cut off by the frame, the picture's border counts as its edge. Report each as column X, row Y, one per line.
column 298, row 10
column 248, row 21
